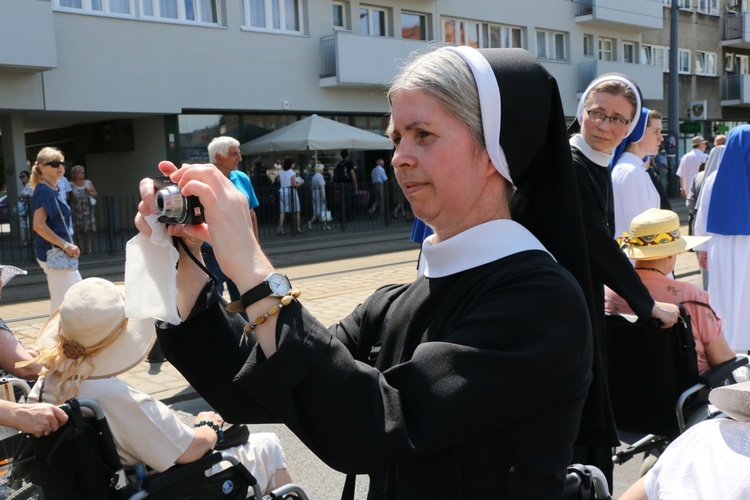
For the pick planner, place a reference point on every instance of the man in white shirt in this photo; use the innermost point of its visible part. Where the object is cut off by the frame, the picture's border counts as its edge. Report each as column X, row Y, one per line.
column 379, row 178
column 690, row 164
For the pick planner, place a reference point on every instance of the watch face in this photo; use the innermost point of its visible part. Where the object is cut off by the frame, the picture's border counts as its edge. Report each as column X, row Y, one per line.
column 279, row 284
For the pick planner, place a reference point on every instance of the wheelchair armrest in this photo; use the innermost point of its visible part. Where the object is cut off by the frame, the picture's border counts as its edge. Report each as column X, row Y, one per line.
column 179, row 473
column 717, row 374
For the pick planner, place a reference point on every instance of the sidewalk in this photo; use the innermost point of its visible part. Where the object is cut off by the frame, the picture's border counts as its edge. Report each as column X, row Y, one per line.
column 334, row 275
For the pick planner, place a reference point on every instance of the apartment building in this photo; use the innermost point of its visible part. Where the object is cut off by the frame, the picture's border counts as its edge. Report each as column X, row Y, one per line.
column 120, row 84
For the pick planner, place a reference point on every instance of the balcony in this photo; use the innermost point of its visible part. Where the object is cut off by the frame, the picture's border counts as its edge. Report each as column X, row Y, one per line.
column 735, row 91
column 28, row 35
column 650, row 79
column 633, row 14
column 359, row 61
column 736, row 32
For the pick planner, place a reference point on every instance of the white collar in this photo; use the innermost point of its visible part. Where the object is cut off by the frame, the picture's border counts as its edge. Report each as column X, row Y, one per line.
column 633, row 159
column 600, row 158
column 475, row 247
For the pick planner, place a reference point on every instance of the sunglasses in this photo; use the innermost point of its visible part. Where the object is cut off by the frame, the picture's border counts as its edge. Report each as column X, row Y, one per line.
column 55, row 163
column 23, row 176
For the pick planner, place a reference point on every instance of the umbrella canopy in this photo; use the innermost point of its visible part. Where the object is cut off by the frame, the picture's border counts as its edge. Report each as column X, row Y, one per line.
column 316, row 133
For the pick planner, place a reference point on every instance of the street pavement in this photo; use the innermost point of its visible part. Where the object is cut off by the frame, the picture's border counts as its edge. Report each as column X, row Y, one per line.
column 341, row 278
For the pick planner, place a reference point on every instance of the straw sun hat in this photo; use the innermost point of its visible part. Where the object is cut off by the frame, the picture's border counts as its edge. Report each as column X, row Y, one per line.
column 90, row 335
column 655, row 234
column 734, row 400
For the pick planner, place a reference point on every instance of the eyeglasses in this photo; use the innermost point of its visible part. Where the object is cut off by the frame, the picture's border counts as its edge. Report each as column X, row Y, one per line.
column 55, row 163
column 615, row 121
column 23, row 176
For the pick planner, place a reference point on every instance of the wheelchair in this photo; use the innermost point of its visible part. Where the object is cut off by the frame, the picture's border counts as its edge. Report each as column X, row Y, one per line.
column 13, row 484
column 654, row 385
column 80, row 461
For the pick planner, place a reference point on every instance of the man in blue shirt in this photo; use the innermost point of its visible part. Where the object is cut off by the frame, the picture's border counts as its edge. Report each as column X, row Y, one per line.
column 224, row 153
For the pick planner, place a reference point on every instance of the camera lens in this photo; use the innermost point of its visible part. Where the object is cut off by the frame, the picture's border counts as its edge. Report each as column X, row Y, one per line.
column 171, row 203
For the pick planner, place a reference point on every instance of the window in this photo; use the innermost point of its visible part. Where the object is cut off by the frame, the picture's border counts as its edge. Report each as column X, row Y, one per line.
column 372, row 21
column 705, row 63
column 588, row 45
column 729, row 62
column 683, row 61
column 103, row 6
column 461, row 32
column 503, row 36
column 683, row 4
column 339, row 15
column 550, row 45
column 274, row 15
column 655, row 55
column 709, row 7
column 628, row 52
column 606, row 52
column 742, row 66
column 413, row 26
column 202, row 11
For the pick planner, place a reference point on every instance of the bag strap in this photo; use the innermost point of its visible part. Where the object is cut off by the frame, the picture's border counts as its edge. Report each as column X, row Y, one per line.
column 65, row 224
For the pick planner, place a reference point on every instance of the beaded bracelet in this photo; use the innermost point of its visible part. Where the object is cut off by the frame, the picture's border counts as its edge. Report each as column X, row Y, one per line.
column 285, row 301
column 215, row 427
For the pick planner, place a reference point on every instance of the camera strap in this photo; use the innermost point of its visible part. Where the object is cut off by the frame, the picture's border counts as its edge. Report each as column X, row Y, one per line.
column 178, row 241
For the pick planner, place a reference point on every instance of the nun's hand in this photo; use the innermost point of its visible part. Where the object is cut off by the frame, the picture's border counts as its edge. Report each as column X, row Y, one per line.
column 147, row 207
column 228, row 226
column 668, row 314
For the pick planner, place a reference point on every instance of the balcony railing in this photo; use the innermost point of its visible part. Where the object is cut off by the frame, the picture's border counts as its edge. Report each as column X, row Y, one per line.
column 733, row 27
column 731, row 88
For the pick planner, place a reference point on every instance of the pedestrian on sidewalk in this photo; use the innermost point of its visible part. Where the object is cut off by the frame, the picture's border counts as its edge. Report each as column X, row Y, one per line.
column 52, row 223
column 455, row 384
column 379, row 178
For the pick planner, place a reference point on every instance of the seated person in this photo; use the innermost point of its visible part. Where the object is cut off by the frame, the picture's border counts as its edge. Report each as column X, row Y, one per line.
column 710, row 460
column 87, row 342
column 12, row 351
column 654, row 242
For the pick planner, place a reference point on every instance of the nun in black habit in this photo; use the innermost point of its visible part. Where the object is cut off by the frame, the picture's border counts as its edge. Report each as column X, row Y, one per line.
column 605, row 119
column 481, row 365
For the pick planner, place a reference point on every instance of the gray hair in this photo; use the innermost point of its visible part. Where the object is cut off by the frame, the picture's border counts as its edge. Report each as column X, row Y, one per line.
column 220, row 146
column 76, row 169
column 445, row 76
column 319, row 168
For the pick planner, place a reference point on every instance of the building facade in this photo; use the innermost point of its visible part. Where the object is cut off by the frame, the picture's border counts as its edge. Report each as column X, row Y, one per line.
column 120, row 84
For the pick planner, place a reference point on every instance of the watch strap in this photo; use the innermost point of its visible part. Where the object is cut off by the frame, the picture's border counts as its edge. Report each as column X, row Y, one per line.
column 250, row 297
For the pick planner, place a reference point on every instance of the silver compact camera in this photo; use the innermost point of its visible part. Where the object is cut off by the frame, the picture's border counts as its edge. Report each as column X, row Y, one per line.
column 175, row 208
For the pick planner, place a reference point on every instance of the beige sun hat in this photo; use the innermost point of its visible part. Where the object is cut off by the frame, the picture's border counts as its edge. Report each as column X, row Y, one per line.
column 655, row 234
column 91, row 326
column 734, row 400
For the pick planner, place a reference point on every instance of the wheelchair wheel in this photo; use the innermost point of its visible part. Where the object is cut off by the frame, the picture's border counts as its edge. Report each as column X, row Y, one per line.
column 27, row 491
column 15, row 454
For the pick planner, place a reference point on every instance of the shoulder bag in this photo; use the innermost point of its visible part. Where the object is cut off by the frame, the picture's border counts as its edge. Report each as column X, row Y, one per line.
column 56, row 256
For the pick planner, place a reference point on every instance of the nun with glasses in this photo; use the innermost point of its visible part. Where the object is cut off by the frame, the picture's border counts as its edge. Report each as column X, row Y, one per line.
column 466, row 382
column 606, row 116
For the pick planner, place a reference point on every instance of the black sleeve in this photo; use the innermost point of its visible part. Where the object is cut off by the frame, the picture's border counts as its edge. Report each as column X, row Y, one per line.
column 609, row 265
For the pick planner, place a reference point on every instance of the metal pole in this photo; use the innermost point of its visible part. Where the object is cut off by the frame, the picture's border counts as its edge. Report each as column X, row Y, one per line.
column 674, row 94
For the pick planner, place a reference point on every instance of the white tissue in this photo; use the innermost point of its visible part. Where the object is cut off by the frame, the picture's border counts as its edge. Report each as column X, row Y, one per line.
column 151, row 275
